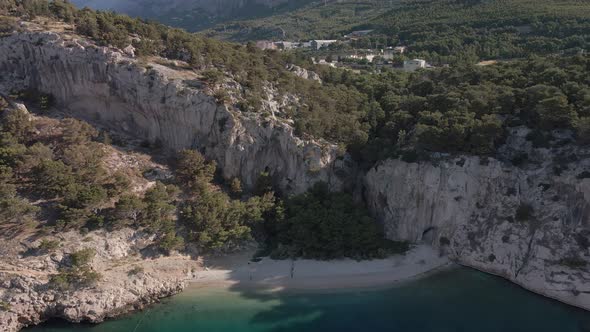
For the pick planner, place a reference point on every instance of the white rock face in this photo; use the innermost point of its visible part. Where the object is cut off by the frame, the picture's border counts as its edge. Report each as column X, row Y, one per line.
column 101, row 85
column 304, row 73
column 467, row 206
column 29, row 300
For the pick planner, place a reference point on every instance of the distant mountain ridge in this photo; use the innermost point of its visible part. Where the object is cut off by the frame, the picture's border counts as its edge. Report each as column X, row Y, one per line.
column 194, row 15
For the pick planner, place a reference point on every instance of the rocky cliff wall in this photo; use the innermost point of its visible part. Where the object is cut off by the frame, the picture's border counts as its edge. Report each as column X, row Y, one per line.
column 526, row 223
column 157, row 103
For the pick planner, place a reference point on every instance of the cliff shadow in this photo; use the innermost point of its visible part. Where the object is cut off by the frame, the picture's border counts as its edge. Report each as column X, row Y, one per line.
column 459, row 300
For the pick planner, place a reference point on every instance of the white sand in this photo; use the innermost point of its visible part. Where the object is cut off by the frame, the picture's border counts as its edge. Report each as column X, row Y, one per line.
column 310, row 274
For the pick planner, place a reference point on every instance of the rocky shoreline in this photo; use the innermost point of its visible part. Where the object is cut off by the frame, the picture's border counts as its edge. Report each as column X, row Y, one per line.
column 129, row 281
column 32, row 307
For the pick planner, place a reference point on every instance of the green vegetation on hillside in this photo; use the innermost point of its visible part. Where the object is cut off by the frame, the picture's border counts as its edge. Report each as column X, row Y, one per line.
column 191, row 18
column 325, row 225
column 61, row 164
column 319, row 20
column 441, row 31
column 454, row 31
column 78, row 274
column 463, row 108
column 467, row 108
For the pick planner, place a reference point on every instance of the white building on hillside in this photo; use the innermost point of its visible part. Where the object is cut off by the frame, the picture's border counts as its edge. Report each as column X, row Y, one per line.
column 317, row 44
column 266, row 45
column 399, row 49
column 412, row 65
column 287, row 45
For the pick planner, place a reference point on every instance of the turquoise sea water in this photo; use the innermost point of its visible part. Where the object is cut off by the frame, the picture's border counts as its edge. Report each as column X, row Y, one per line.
column 459, row 300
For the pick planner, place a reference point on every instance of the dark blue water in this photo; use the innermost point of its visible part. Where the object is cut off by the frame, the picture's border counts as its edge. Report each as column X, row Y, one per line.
column 460, row 300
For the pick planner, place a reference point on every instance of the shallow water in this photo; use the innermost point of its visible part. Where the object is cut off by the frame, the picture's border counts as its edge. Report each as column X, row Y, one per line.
column 450, row 301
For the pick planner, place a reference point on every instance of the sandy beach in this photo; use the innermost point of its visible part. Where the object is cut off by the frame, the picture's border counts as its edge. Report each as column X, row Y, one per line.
column 239, row 271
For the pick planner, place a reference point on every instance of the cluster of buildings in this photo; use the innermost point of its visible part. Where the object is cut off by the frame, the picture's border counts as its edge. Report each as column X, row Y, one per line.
column 381, row 57
column 315, row 44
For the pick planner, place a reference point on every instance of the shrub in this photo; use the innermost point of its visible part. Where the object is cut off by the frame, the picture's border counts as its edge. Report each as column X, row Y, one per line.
column 80, row 274
column 136, row 270
column 194, row 170
column 5, row 306
column 539, row 138
column 213, row 75
column 520, row 159
column 235, row 187
column 68, row 279
column 264, row 184
column 48, row 245
column 82, row 257
column 410, row 156
column 573, row 262
column 524, row 212
column 583, row 240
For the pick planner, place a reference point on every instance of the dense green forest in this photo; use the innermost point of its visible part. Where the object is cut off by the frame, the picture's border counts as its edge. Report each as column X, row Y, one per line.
column 441, row 31
column 319, row 20
column 467, row 109
column 197, row 14
column 61, row 166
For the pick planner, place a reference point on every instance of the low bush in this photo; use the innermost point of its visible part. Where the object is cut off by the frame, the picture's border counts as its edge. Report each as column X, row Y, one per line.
column 524, row 212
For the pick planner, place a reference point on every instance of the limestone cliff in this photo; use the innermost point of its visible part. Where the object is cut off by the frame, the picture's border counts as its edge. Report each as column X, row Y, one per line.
column 157, row 103
column 529, row 224
column 24, row 275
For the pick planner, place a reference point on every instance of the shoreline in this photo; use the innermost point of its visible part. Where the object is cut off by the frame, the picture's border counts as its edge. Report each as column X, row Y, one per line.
column 530, row 289
column 301, row 275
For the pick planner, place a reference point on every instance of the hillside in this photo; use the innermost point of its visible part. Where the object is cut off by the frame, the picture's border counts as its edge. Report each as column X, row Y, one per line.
column 194, row 15
column 442, row 31
column 319, row 19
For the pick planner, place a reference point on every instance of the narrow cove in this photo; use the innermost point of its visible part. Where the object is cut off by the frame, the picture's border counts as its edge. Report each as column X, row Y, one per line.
column 459, row 299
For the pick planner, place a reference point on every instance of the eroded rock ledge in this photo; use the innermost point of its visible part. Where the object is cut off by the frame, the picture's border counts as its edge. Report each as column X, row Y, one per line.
column 129, row 280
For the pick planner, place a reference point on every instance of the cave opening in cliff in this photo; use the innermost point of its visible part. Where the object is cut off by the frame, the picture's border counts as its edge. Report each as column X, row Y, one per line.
column 428, row 235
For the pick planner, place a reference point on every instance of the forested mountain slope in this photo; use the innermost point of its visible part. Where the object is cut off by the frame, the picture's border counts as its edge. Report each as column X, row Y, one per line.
column 194, row 15
column 440, row 30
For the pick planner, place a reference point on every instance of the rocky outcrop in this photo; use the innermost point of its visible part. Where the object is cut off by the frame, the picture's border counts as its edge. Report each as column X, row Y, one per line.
column 129, row 282
column 304, row 73
column 31, row 303
column 529, row 224
column 159, row 104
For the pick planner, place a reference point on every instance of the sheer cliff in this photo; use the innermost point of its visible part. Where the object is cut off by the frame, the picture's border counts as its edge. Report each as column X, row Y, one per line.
column 155, row 103
column 529, row 224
